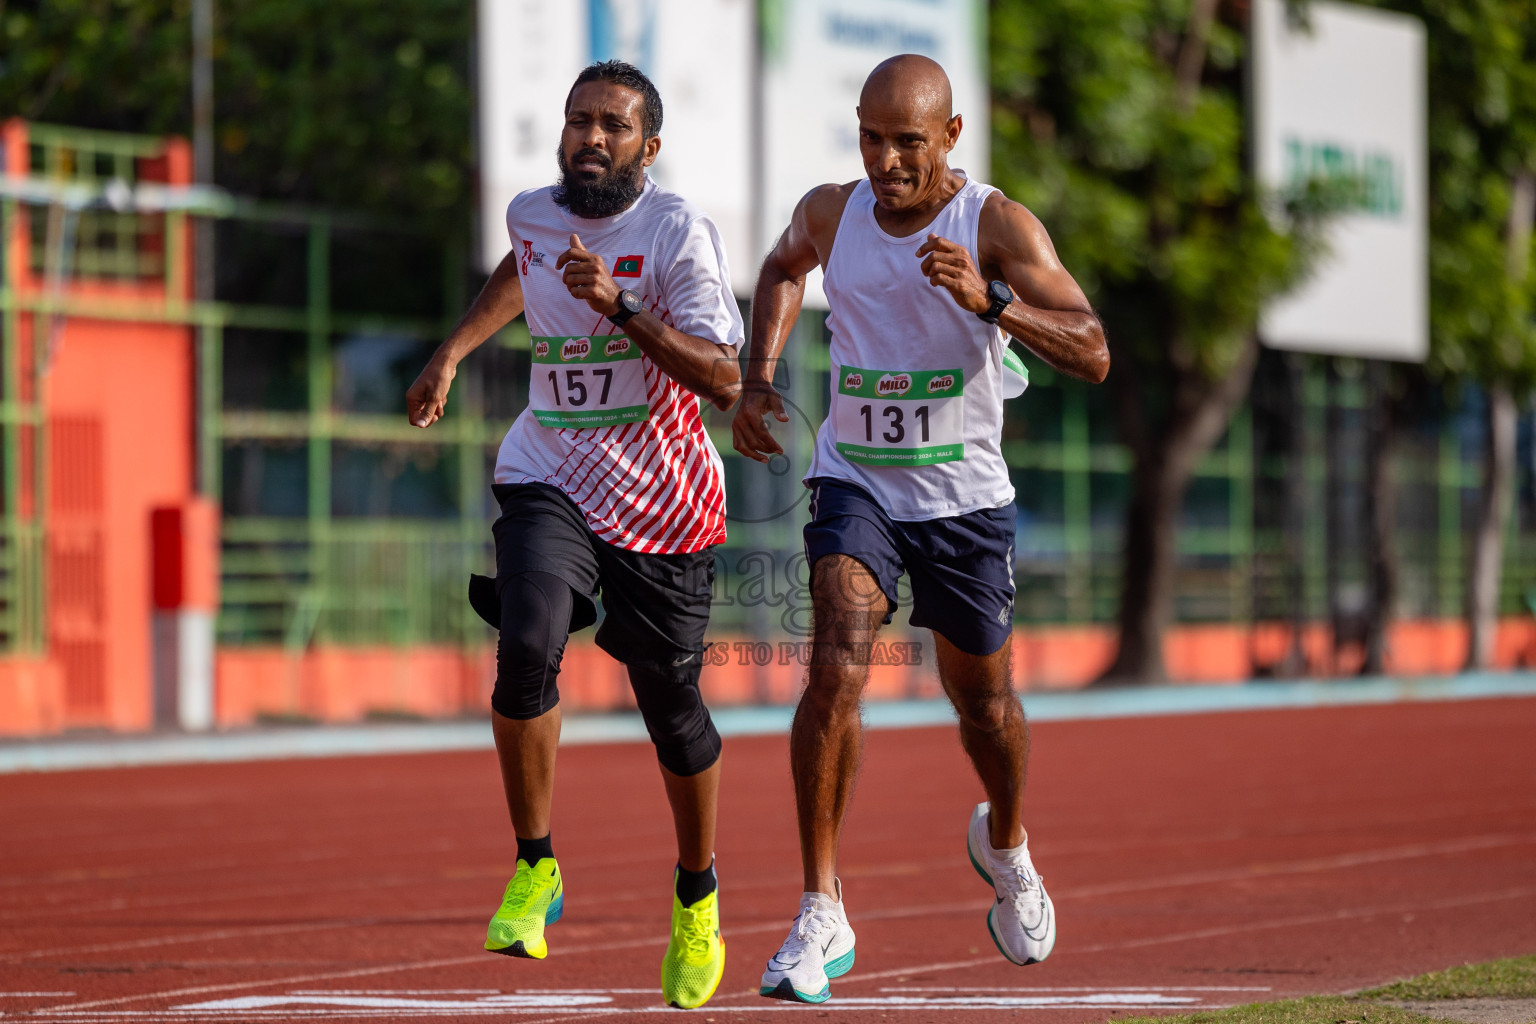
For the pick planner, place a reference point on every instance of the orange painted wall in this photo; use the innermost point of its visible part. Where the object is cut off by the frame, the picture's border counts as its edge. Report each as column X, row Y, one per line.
column 134, row 381
column 117, row 399
column 31, row 697
column 340, row 684
column 352, row 684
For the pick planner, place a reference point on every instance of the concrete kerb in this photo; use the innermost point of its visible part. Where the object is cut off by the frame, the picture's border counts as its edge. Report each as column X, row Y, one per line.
column 276, row 743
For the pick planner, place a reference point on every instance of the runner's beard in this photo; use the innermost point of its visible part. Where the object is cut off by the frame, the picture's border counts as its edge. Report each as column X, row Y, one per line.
column 612, row 193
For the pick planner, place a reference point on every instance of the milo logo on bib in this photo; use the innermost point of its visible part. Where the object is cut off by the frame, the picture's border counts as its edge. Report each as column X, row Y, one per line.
column 900, row 417
column 585, row 382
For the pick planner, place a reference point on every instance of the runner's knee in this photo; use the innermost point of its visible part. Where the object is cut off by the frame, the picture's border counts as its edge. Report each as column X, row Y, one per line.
column 535, row 620
column 675, row 716
column 987, row 711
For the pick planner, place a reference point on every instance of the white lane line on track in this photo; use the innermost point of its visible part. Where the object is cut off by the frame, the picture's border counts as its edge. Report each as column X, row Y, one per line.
column 1206, row 933
column 1076, row 988
column 871, row 1004
column 773, row 926
column 579, row 1014
column 355, row 1005
column 74, row 906
column 249, row 931
column 197, row 990
column 1335, row 862
column 1359, row 858
column 398, row 992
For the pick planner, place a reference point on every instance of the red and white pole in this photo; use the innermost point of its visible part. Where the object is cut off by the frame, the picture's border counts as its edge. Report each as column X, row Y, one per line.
column 185, row 545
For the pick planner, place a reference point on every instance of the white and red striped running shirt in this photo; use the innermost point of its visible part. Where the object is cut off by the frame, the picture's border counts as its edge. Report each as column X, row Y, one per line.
column 621, row 438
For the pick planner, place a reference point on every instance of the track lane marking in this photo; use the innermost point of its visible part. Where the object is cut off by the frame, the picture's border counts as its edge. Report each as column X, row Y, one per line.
column 1299, row 921
column 1521, row 892
column 599, row 1003
column 774, row 925
column 1345, row 860
column 650, row 940
column 1334, row 862
column 1360, row 858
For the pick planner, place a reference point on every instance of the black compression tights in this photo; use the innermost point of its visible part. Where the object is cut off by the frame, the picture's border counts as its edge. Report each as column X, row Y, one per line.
column 535, row 620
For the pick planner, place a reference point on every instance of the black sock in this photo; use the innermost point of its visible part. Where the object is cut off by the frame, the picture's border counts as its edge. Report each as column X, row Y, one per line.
column 534, row 850
column 693, row 886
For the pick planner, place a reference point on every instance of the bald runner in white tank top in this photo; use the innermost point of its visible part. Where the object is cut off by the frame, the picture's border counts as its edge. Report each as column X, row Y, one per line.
column 917, row 386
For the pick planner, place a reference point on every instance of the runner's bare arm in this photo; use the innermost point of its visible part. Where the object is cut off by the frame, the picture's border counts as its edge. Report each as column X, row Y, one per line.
column 497, row 305
column 1049, row 315
column 775, row 306
column 702, row 366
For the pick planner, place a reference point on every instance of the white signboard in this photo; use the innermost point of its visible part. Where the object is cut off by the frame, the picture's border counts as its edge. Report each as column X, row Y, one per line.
column 1345, row 101
column 699, row 54
column 816, row 55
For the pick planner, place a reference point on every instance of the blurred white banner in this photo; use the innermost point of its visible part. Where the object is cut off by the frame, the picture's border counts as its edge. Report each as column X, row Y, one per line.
column 1345, row 101
column 816, row 55
column 698, row 52
column 703, row 57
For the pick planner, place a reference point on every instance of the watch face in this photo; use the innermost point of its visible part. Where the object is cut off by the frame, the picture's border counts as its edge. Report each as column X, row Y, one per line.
column 998, row 291
column 629, row 300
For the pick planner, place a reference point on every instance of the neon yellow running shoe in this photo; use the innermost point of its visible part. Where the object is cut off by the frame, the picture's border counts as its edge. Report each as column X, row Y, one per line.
column 695, row 960
column 535, row 897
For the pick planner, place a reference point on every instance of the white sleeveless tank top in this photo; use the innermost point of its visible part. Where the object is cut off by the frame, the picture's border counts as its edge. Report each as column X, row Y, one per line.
column 917, row 382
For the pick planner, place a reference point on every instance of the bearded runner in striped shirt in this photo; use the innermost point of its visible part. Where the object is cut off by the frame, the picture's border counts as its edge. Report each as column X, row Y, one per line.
column 607, row 481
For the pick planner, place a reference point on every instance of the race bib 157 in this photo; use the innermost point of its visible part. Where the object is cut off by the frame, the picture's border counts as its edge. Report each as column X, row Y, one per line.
column 596, row 381
column 900, row 417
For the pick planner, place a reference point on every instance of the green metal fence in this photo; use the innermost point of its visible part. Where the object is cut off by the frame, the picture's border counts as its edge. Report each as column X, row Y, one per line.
column 343, row 524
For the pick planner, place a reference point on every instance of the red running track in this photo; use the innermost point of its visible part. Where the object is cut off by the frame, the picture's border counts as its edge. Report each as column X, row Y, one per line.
column 1194, row 861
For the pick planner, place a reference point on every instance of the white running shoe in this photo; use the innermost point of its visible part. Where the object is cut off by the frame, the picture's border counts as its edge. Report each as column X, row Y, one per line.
column 819, row 948
column 1022, row 921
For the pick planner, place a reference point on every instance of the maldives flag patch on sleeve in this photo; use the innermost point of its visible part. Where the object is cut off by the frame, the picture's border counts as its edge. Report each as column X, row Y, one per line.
column 628, row 266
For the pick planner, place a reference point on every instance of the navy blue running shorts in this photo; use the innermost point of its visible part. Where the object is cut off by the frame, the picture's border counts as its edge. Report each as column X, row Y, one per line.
column 961, row 566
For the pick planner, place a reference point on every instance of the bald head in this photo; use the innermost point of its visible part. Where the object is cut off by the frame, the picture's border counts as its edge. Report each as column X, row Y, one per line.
column 906, row 131
column 909, row 85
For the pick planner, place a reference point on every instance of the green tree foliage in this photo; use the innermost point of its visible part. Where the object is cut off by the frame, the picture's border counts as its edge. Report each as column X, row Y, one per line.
column 349, row 102
column 1120, row 123
column 1482, row 138
column 1482, row 148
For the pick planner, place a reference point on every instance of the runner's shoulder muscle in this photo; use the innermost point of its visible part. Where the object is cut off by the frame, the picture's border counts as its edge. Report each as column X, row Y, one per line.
column 1008, row 232
column 819, row 214
column 1011, row 242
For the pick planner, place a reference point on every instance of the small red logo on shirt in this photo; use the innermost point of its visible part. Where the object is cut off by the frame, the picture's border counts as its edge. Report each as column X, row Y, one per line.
column 628, row 266
column 531, row 258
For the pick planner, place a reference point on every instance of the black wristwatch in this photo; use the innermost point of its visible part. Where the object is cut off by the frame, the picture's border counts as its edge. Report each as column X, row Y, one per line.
column 1001, row 295
column 629, row 305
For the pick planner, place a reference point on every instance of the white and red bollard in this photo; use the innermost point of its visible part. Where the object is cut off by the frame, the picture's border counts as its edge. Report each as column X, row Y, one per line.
column 185, row 549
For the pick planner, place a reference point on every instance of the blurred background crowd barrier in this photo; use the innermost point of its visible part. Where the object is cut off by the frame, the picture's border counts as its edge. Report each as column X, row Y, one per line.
column 215, row 513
